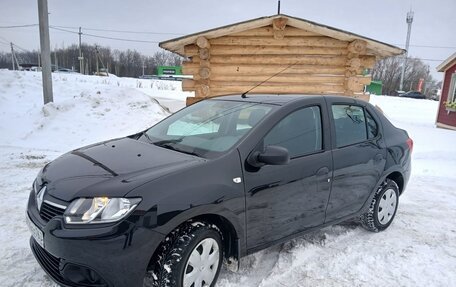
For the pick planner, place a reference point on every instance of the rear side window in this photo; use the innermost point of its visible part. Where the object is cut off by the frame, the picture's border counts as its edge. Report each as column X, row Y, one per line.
column 372, row 127
column 350, row 124
column 299, row 132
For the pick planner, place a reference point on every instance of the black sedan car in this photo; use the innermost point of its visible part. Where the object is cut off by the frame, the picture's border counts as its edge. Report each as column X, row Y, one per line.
column 413, row 95
column 216, row 181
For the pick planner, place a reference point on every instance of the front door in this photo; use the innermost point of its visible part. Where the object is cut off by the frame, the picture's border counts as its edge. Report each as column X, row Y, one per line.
column 282, row 200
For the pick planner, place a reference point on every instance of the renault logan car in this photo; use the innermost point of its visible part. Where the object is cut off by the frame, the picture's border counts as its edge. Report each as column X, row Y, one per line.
column 218, row 180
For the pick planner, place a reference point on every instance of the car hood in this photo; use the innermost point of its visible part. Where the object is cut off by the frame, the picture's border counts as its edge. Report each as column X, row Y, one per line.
column 111, row 168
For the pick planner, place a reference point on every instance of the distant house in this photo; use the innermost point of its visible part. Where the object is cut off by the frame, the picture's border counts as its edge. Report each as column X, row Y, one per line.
column 446, row 116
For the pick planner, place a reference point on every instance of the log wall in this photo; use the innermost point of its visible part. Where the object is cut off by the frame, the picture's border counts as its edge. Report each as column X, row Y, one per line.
column 295, row 60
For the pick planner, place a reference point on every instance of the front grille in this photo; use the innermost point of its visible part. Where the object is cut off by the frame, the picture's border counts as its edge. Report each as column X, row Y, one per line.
column 48, row 211
column 49, row 263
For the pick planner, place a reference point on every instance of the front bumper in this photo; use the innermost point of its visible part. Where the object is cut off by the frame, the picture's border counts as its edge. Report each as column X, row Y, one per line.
column 115, row 256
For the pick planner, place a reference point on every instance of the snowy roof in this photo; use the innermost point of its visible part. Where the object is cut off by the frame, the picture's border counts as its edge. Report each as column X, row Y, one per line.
column 374, row 47
column 447, row 63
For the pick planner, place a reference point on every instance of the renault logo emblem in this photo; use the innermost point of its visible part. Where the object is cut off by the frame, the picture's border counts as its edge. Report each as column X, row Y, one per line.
column 39, row 197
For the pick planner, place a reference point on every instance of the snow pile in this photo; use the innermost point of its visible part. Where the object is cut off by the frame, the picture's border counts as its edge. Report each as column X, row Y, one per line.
column 419, row 248
column 86, row 109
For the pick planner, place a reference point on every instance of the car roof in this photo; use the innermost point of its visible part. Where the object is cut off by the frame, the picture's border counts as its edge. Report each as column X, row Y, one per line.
column 277, row 99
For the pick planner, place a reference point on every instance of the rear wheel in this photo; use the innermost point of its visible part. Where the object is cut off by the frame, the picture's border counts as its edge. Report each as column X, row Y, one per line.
column 383, row 207
column 193, row 259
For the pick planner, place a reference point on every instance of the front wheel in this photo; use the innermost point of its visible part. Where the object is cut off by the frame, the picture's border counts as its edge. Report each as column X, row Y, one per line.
column 194, row 259
column 383, row 207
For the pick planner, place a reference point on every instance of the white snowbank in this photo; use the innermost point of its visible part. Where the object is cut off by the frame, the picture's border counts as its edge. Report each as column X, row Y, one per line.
column 86, row 109
column 419, row 249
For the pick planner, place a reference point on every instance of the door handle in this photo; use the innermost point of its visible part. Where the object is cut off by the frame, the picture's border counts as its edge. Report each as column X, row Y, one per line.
column 323, row 171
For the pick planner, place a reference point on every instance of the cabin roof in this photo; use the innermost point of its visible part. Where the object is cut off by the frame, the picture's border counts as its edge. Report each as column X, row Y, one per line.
column 374, row 47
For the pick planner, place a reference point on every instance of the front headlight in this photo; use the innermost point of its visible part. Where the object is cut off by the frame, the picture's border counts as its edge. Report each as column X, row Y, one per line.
column 99, row 210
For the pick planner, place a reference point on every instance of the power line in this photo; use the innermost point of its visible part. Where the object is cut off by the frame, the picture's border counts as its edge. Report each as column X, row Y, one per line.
column 6, row 42
column 63, row 30
column 429, row 46
column 120, row 39
column 18, row 26
column 120, row 31
column 434, row 60
column 165, row 33
column 104, row 37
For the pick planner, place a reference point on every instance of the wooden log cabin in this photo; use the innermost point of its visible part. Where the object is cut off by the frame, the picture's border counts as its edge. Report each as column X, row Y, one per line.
column 279, row 54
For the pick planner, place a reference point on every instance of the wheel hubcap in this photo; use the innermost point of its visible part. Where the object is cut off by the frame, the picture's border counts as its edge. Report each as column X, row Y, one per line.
column 202, row 264
column 387, row 206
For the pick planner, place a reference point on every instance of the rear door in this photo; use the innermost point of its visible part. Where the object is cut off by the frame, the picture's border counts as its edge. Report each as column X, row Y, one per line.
column 358, row 154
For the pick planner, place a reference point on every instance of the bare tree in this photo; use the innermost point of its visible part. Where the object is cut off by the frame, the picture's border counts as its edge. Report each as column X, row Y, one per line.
column 122, row 63
column 389, row 72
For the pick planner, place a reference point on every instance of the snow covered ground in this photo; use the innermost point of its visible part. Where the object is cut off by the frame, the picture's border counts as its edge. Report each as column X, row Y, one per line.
column 419, row 249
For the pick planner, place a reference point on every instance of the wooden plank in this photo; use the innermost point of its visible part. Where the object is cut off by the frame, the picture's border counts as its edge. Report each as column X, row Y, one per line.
column 268, row 31
column 357, row 83
column 192, row 85
column 288, row 78
column 331, row 60
column 230, row 90
column 270, row 50
column 313, row 41
column 220, row 69
column 357, row 47
column 363, row 97
column 248, row 84
column 202, row 43
column 279, row 25
column 191, row 100
column 192, row 50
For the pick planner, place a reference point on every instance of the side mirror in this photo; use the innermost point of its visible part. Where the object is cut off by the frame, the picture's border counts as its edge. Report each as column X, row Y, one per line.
column 272, row 155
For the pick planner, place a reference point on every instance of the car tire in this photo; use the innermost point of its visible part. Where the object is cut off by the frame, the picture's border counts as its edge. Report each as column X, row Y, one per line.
column 383, row 207
column 195, row 247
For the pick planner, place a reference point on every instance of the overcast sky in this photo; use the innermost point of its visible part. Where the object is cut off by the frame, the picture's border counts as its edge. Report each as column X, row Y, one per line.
column 434, row 22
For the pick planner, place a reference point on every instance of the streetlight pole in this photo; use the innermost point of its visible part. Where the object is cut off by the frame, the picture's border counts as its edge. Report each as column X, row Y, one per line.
column 80, row 58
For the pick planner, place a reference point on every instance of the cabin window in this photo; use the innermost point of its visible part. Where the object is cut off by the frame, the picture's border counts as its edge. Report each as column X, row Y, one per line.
column 452, row 91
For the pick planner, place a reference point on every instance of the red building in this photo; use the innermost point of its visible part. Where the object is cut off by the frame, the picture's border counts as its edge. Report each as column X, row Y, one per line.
column 446, row 117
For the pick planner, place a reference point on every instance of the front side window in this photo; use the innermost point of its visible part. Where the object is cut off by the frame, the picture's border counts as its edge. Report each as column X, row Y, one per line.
column 299, row 132
column 350, row 124
column 207, row 128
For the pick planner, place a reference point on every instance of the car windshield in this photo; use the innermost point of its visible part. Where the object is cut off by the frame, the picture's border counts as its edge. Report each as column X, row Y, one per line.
column 207, row 128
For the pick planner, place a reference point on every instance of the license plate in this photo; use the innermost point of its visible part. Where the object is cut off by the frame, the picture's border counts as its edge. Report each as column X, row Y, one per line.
column 37, row 234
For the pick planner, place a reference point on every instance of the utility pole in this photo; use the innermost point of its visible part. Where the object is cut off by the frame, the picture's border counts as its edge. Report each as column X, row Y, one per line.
column 45, row 51
column 80, row 58
column 56, row 62
column 96, row 49
column 409, row 21
column 12, row 56
column 143, row 66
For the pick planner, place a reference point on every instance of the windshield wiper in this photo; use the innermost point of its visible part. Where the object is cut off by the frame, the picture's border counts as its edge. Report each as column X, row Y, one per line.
column 171, row 147
column 166, row 142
